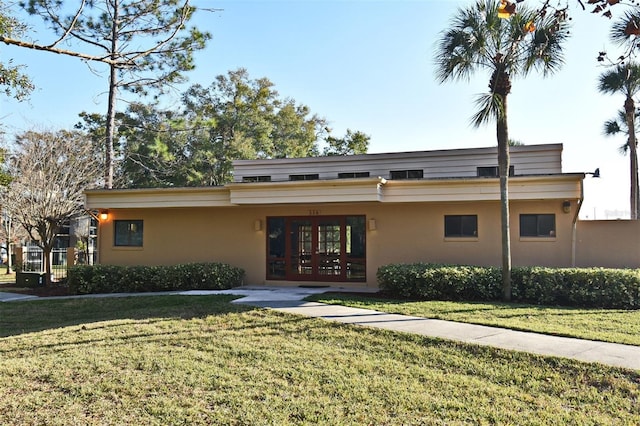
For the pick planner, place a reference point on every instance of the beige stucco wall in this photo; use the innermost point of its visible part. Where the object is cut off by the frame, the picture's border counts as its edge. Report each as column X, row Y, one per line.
column 178, row 235
column 405, row 232
column 608, row 243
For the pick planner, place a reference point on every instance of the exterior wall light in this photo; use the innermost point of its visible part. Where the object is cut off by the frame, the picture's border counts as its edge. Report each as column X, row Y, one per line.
column 104, row 215
column 595, row 173
column 566, row 206
column 372, row 225
column 257, row 225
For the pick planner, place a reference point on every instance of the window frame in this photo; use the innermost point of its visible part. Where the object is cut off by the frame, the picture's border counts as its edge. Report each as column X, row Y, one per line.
column 311, row 176
column 130, row 242
column 461, row 226
column 253, row 179
column 492, row 171
column 406, row 174
column 550, row 232
column 353, row 175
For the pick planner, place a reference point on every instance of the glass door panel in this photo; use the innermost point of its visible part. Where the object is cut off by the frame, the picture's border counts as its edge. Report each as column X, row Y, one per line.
column 316, row 248
column 301, row 244
column 276, row 248
column 329, row 247
column 356, row 258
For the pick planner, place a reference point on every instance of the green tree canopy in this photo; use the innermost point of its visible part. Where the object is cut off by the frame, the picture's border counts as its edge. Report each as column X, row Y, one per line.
column 146, row 45
column 13, row 82
column 241, row 110
column 236, row 117
column 350, row 144
column 625, row 80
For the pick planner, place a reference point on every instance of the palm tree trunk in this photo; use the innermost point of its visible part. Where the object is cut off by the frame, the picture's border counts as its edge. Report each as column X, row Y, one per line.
column 500, row 84
column 634, row 199
column 503, row 168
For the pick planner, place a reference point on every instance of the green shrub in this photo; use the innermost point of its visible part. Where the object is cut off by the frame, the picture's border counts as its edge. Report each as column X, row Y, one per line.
column 580, row 287
column 584, row 287
column 84, row 279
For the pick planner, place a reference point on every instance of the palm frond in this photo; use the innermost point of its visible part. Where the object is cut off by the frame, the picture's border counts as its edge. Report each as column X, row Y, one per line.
column 623, row 149
column 619, row 125
column 466, row 45
column 633, row 78
column 543, row 49
column 612, row 127
column 611, row 81
column 625, row 29
column 490, row 108
column 623, row 79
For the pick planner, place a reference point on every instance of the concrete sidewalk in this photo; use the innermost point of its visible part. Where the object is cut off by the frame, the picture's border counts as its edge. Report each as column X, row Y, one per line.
column 613, row 354
column 290, row 300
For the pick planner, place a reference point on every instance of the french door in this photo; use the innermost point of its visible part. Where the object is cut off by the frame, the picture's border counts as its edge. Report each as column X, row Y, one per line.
column 316, row 248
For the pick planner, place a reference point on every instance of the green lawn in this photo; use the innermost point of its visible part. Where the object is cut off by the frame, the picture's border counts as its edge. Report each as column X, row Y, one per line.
column 609, row 325
column 201, row 360
column 7, row 278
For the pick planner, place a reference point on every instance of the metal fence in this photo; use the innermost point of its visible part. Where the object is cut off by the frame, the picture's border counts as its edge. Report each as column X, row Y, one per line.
column 33, row 261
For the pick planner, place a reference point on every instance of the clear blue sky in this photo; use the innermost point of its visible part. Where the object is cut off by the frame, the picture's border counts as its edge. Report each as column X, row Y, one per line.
column 368, row 66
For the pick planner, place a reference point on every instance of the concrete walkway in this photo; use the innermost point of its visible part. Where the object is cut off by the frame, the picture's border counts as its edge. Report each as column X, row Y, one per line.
column 290, row 300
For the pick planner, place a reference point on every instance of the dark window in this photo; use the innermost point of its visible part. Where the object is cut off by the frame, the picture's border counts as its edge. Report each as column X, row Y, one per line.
column 461, row 226
column 304, row 177
column 537, row 225
column 348, row 175
column 407, row 174
column 356, row 245
column 492, row 171
column 256, row 178
column 275, row 242
column 276, row 265
column 61, row 241
column 128, row 233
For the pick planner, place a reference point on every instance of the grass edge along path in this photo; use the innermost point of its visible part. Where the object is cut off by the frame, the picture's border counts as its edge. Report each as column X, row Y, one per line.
column 607, row 325
column 201, row 360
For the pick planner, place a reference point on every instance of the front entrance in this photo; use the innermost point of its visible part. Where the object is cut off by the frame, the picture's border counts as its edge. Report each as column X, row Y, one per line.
column 316, row 248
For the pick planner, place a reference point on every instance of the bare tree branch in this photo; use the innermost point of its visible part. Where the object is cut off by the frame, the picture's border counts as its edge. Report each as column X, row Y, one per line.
column 51, row 172
column 35, row 46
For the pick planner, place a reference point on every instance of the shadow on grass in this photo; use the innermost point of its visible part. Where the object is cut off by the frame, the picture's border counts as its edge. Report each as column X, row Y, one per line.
column 467, row 306
column 37, row 315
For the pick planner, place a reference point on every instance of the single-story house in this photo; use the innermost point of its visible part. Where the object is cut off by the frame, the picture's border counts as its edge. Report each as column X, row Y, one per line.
column 335, row 220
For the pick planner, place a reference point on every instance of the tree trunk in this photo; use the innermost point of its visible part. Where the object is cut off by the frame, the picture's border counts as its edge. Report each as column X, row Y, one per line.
column 500, row 84
column 46, row 254
column 111, row 107
column 503, row 169
column 8, row 257
column 634, row 199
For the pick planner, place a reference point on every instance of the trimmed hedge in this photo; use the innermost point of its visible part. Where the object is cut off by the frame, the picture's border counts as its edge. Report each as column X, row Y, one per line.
column 83, row 279
column 579, row 287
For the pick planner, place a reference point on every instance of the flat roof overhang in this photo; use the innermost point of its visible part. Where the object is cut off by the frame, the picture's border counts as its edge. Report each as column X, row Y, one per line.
column 377, row 190
column 215, row 196
column 534, row 187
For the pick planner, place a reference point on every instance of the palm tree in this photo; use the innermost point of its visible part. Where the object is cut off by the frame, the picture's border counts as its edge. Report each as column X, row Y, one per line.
column 625, row 79
column 479, row 38
column 618, row 125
